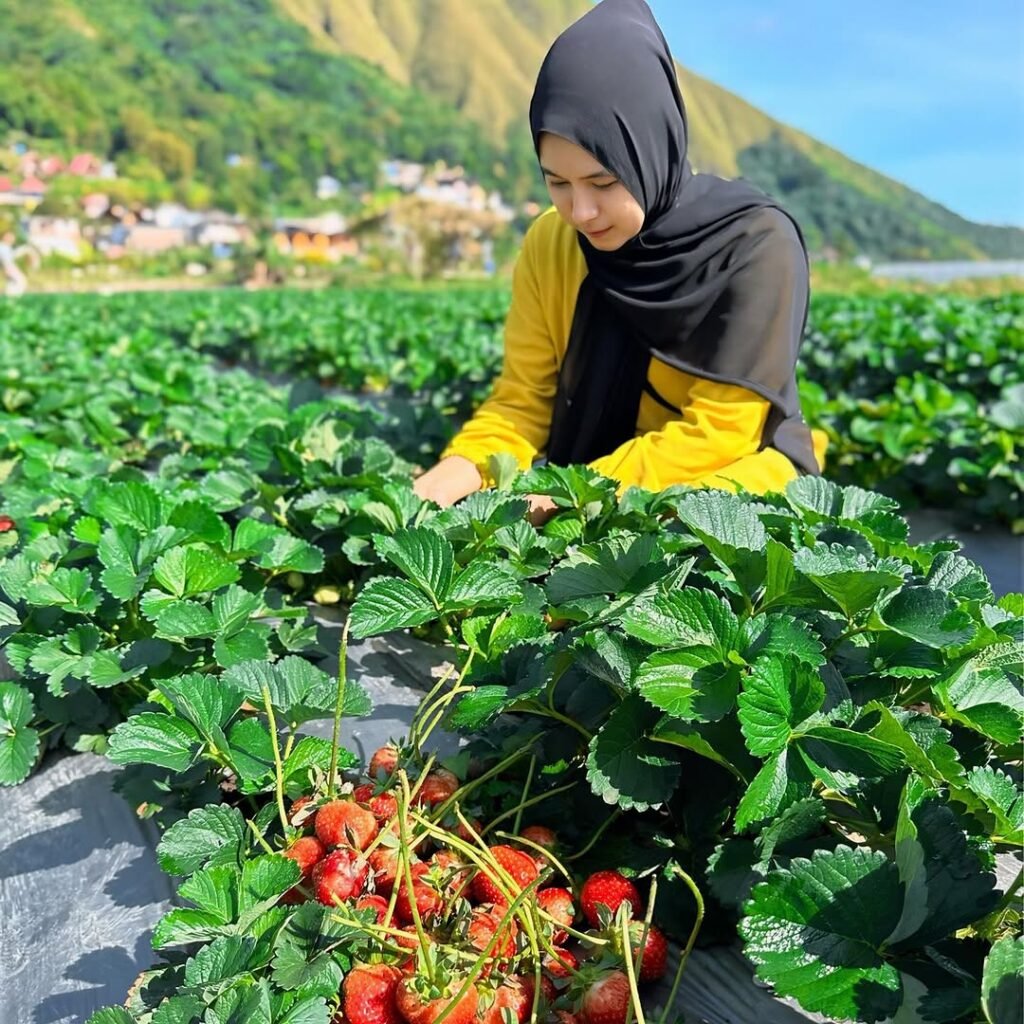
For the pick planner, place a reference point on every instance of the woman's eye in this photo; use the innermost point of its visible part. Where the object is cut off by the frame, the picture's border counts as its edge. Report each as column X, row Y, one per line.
column 609, row 184
column 557, row 184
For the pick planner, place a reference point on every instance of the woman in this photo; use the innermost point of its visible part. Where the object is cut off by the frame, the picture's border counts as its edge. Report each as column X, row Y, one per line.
column 656, row 314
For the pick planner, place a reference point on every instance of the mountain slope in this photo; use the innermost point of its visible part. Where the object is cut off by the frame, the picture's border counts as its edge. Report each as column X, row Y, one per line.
column 481, row 57
column 297, row 88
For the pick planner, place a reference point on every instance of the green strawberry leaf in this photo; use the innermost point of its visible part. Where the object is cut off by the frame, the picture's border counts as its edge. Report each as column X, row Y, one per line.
column 111, row 1015
column 183, row 620
column 483, row 585
column 1002, row 982
column 668, row 680
column 697, row 620
column 187, row 571
column 67, row 589
column 627, row 768
column 1003, row 799
column 984, row 699
column 205, row 701
column 303, row 952
column 782, row 781
column 946, row 886
column 928, row 616
column 251, row 753
column 209, row 835
column 153, row 738
column 777, row 696
column 424, row 556
column 851, row 580
column 130, row 504
column 248, row 644
column 19, row 743
column 385, row 604
column 731, row 531
column 842, row 757
column 232, row 609
column 221, row 960
column 814, row 931
column 622, row 564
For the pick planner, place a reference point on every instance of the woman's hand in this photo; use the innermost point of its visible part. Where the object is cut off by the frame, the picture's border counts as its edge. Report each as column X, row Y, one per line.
column 541, row 509
column 448, row 482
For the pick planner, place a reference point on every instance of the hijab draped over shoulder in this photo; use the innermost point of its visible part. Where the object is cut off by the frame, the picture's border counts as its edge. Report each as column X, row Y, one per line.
column 716, row 282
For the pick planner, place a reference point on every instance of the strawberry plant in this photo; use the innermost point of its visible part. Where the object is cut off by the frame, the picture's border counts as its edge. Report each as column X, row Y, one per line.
column 795, row 660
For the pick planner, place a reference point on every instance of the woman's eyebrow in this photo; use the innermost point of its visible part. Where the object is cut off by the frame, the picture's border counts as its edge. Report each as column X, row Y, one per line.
column 586, row 177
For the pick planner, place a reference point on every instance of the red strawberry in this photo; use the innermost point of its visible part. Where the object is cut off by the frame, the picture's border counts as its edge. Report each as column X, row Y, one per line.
column 339, row 876
column 428, row 900
column 610, row 889
column 384, row 862
column 607, row 1000
column 565, row 1017
column 484, row 923
column 369, row 994
column 345, row 823
column 548, row 992
column 655, row 960
column 558, row 903
column 383, row 763
column 377, row 904
column 306, row 852
column 516, row 863
column 513, row 994
column 437, row 787
column 541, row 835
column 418, row 1008
column 6, row 523
column 384, row 806
column 562, row 965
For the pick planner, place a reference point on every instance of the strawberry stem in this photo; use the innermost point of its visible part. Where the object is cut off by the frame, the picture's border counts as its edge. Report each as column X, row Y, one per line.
column 526, row 793
column 529, row 803
column 406, row 866
column 596, row 836
column 692, row 886
column 339, row 706
column 634, row 1003
column 278, row 766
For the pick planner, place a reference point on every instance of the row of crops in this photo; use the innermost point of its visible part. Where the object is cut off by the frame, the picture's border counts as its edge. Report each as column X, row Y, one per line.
column 922, row 396
column 767, row 715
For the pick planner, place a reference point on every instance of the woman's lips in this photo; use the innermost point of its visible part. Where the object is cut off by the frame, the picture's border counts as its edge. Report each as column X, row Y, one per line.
column 598, row 234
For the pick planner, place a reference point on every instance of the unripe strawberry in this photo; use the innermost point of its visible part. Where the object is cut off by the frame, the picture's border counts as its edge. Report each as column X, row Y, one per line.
column 608, row 888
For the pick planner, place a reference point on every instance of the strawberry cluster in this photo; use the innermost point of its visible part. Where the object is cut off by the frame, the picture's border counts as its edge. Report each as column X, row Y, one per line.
column 459, row 928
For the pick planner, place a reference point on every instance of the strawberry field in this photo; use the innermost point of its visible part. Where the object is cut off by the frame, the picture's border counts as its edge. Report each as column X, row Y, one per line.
column 688, row 717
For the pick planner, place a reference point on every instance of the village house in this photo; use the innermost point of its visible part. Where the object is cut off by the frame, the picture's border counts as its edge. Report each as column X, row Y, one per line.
column 55, row 236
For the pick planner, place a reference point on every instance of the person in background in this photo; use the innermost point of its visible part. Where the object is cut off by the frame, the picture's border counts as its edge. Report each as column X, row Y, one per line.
column 14, row 280
column 656, row 313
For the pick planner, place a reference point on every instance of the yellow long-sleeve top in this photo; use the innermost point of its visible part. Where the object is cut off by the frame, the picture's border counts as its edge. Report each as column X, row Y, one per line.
column 713, row 440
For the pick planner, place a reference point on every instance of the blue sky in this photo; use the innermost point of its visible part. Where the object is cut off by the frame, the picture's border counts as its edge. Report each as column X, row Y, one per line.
column 929, row 93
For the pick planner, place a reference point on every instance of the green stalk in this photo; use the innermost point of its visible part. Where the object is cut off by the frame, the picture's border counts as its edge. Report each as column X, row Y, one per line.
column 542, row 850
column 462, row 792
column 526, row 791
column 338, row 708
column 533, row 801
column 278, row 766
column 597, row 835
column 692, row 886
column 403, row 829
column 634, row 1003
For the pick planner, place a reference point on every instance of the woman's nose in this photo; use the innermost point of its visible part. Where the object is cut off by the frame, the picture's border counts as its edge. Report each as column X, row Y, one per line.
column 584, row 209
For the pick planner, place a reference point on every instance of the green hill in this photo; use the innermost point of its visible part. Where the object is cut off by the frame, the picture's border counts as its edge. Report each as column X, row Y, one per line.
column 298, row 88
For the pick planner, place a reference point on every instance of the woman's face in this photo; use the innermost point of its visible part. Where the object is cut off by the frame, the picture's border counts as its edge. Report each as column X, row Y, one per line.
column 587, row 195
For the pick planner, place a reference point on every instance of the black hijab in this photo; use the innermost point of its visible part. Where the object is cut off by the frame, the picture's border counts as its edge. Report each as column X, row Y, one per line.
column 715, row 284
